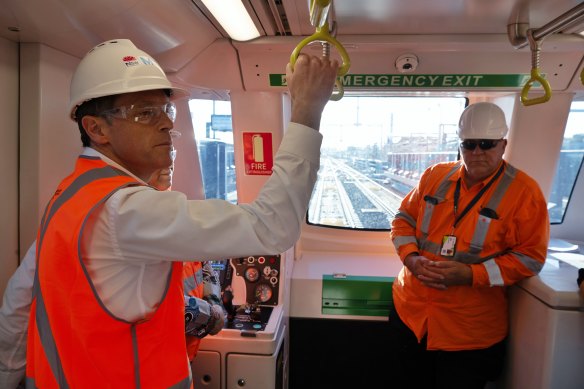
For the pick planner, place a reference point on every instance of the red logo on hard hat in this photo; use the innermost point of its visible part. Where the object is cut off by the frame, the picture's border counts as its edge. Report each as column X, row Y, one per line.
column 130, row 60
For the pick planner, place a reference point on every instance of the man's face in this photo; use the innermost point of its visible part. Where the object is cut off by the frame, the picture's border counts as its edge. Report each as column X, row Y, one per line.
column 141, row 146
column 481, row 163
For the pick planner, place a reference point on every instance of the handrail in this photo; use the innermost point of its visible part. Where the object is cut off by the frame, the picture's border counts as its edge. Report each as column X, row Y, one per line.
column 318, row 17
column 536, row 76
column 567, row 18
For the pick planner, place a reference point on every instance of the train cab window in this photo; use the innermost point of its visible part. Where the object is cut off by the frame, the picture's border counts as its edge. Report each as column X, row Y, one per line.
column 569, row 165
column 214, row 135
column 374, row 152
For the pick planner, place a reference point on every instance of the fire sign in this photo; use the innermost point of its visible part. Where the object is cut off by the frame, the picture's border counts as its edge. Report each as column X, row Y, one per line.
column 257, row 153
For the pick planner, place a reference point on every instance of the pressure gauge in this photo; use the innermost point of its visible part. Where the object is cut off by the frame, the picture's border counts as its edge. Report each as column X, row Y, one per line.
column 263, row 293
column 252, row 274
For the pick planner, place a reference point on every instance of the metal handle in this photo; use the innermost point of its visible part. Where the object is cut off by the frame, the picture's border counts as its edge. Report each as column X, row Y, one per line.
column 535, row 75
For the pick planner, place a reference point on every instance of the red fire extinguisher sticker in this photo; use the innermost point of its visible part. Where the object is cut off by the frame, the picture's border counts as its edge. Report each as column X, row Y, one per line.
column 257, row 153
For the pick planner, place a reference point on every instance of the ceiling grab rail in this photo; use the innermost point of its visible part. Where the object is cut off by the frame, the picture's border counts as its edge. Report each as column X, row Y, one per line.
column 520, row 35
column 318, row 18
column 535, row 46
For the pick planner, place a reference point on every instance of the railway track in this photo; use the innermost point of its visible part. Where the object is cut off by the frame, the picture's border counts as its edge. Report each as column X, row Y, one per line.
column 345, row 197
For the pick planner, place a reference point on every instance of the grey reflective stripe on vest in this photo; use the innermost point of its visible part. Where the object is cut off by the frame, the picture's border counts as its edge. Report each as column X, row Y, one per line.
column 437, row 198
column 399, row 241
column 42, row 320
column 193, row 281
column 136, row 356
column 429, row 246
column 494, row 273
column 483, row 223
column 445, row 184
column 532, row 264
column 184, row 384
column 405, row 216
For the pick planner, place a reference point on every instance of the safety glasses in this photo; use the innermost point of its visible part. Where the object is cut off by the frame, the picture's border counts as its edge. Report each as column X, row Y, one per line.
column 142, row 114
column 484, row 144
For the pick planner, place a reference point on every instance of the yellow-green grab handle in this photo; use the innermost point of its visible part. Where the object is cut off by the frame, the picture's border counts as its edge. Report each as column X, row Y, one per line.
column 536, row 77
column 582, row 76
column 322, row 34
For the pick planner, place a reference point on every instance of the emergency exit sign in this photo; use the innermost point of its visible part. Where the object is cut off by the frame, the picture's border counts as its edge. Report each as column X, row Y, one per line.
column 424, row 80
column 257, row 153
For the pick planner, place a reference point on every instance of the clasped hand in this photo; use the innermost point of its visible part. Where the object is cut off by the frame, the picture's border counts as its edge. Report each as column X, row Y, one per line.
column 439, row 274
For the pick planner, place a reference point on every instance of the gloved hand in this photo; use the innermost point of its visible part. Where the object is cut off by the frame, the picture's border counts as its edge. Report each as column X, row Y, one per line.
column 203, row 317
column 217, row 319
column 197, row 314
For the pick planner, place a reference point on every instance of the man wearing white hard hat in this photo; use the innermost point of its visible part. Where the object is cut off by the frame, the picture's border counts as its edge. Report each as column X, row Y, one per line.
column 108, row 303
column 469, row 230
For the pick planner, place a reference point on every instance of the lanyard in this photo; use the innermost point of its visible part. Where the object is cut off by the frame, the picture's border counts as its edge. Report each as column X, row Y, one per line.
column 475, row 199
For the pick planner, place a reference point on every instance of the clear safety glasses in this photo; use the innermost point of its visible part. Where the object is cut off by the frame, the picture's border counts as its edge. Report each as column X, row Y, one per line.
column 142, row 114
column 484, row 144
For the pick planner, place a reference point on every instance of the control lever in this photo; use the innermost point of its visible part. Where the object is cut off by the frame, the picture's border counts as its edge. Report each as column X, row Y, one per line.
column 227, row 299
column 256, row 312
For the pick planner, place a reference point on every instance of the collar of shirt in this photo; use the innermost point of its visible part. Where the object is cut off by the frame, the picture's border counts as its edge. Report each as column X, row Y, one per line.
column 460, row 174
column 89, row 152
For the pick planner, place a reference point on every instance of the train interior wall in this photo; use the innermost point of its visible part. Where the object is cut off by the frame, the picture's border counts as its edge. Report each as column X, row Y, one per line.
column 9, row 254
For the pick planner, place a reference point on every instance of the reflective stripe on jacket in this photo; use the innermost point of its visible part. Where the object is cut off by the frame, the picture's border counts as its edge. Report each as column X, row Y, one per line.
column 73, row 340
column 503, row 238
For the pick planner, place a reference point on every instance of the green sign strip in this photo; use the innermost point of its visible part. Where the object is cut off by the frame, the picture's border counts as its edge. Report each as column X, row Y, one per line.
column 424, row 80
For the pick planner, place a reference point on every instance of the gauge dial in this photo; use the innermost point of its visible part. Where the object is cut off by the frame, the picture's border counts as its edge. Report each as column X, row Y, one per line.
column 252, row 274
column 263, row 293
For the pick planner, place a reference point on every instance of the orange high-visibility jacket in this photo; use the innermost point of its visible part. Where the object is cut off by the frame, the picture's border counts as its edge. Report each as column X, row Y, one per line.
column 503, row 237
column 73, row 340
column 193, row 286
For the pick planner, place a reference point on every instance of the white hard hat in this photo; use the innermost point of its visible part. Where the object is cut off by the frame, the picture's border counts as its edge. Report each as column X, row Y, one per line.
column 482, row 121
column 115, row 67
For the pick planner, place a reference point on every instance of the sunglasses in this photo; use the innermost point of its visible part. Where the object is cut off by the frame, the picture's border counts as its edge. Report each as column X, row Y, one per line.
column 484, row 144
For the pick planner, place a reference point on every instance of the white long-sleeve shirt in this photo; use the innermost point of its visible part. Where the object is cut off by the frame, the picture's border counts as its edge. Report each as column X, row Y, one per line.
column 14, row 321
column 130, row 241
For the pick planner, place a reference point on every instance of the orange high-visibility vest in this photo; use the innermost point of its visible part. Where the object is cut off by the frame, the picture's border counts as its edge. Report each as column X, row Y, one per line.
column 73, row 340
column 193, row 286
column 503, row 238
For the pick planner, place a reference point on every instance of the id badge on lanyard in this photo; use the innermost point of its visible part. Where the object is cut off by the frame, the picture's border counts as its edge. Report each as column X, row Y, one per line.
column 448, row 246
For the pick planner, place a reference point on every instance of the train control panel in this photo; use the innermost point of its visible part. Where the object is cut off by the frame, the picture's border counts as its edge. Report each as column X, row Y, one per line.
column 250, row 290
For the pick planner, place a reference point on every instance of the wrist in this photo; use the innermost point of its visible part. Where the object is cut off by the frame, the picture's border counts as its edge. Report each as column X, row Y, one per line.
column 409, row 261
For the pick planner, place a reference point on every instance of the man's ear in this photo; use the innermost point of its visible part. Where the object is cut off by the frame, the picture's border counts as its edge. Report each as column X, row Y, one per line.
column 93, row 126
